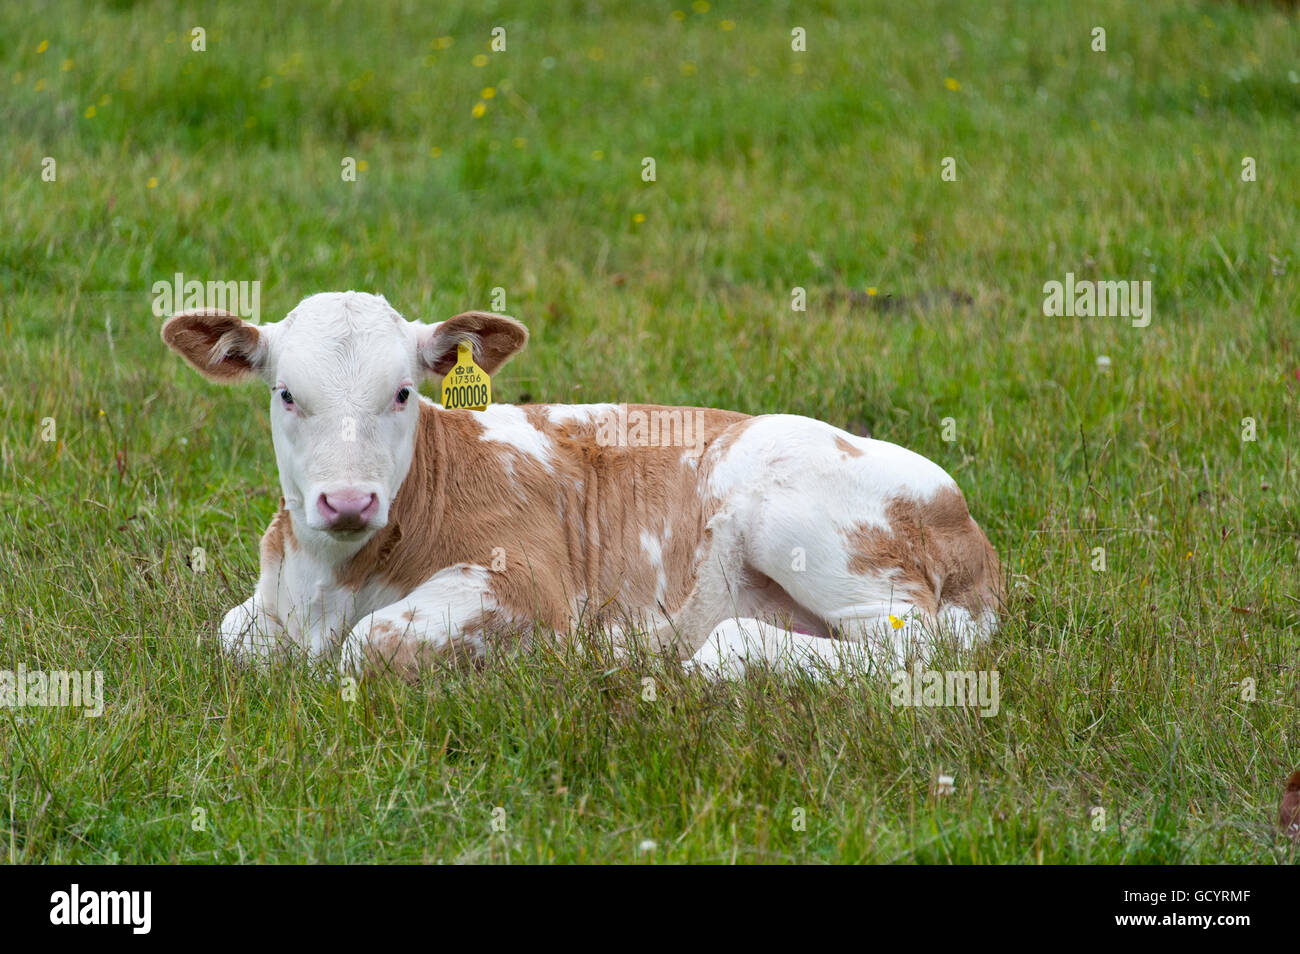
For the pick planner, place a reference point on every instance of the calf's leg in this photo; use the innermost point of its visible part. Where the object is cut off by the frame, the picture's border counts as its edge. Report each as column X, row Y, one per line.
column 248, row 631
column 740, row 643
column 446, row 616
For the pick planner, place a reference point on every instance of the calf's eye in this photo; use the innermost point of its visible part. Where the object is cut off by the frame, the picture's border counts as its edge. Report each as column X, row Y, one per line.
column 286, row 397
column 403, row 395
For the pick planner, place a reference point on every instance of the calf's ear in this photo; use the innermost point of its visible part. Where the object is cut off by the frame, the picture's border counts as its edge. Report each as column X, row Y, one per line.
column 495, row 340
column 220, row 346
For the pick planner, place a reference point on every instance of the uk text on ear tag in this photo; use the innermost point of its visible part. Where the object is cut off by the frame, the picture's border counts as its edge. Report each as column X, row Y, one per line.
column 466, row 385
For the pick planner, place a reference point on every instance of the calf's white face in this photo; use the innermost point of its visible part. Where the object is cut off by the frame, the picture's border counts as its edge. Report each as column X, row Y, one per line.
column 342, row 369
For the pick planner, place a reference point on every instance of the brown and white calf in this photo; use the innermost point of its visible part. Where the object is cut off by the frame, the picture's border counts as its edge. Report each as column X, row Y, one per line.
column 407, row 530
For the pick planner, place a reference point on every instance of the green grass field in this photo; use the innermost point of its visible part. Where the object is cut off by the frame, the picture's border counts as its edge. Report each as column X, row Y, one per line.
column 1124, row 688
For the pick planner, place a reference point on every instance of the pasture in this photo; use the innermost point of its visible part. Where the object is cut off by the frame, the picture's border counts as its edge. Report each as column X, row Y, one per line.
column 1139, row 482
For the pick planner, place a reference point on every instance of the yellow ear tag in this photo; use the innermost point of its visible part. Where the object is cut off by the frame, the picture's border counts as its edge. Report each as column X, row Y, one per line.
column 466, row 385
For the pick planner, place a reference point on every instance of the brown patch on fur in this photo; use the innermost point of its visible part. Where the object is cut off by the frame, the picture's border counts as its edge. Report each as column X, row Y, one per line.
column 718, row 447
column 278, row 536
column 846, row 447
column 570, row 527
column 621, row 492
column 217, row 344
column 942, row 555
column 1288, row 812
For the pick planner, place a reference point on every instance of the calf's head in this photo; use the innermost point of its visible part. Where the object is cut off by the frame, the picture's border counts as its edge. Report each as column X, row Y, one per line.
column 343, row 370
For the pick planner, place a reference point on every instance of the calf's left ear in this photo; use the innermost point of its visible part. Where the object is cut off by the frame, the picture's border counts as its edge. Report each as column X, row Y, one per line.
column 220, row 346
column 495, row 340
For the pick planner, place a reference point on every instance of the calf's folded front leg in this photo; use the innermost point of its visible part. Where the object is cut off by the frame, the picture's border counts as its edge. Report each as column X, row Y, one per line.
column 249, row 632
column 447, row 616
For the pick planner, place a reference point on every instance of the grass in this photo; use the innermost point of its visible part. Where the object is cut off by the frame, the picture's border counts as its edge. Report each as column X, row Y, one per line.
column 1120, row 688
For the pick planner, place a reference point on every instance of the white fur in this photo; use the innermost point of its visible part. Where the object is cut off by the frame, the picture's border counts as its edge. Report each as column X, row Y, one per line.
column 577, row 413
column 509, row 425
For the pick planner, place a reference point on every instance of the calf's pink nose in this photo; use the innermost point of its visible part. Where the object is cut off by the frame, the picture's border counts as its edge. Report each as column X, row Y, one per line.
column 347, row 509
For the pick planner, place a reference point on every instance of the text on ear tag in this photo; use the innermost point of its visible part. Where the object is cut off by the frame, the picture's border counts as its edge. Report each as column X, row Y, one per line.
column 466, row 385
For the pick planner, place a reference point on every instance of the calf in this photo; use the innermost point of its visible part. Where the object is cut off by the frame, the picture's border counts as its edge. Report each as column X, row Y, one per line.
column 407, row 530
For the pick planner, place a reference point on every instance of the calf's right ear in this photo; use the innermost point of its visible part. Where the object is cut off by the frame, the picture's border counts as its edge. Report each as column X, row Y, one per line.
column 220, row 346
